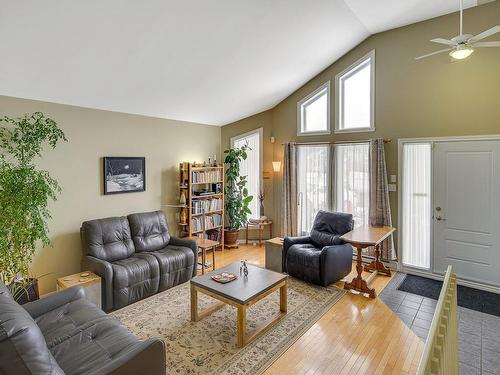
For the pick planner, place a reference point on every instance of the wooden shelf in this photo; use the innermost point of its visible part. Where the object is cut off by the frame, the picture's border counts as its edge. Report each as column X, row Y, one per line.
column 202, row 168
column 209, row 213
column 206, row 183
column 206, row 196
column 204, row 230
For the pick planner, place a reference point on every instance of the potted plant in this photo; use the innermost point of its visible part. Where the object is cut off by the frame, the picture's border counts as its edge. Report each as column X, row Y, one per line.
column 236, row 195
column 25, row 192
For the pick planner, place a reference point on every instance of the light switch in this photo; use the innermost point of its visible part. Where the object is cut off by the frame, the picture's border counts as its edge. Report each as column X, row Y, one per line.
column 394, row 178
column 392, row 187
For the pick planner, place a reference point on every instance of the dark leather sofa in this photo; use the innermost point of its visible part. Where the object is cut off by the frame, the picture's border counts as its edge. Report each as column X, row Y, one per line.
column 321, row 258
column 136, row 257
column 64, row 333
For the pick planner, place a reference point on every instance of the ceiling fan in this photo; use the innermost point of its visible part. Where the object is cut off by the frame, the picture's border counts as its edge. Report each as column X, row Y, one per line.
column 462, row 46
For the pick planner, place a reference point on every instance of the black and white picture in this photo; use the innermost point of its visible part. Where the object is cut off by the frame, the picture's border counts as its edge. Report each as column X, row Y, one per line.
column 124, row 174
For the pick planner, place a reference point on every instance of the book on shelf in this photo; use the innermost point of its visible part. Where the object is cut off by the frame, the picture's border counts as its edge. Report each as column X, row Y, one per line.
column 206, row 205
column 207, row 176
column 211, row 221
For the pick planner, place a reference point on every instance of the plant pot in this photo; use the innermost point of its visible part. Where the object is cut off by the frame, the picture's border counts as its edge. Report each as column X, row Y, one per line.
column 28, row 292
column 231, row 238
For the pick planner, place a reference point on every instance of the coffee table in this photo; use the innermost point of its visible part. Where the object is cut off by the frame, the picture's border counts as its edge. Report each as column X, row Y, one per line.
column 241, row 293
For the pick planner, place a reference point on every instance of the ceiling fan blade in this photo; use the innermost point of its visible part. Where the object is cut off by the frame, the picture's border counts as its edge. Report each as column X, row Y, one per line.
column 487, row 44
column 444, row 41
column 433, row 53
column 485, row 34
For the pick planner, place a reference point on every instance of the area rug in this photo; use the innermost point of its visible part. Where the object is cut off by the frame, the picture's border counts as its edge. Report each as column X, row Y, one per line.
column 209, row 346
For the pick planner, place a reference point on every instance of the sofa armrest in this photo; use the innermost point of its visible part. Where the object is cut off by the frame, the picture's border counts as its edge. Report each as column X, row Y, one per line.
column 53, row 301
column 176, row 241
column 336, row 263
column 103, row 269
column 290, row 241
column 148, row 355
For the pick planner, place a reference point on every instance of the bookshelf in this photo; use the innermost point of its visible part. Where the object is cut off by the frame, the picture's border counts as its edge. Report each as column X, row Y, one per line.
column 203, row 190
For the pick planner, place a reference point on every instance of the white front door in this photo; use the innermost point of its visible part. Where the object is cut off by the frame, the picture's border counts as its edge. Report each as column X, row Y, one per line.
column 466, row 184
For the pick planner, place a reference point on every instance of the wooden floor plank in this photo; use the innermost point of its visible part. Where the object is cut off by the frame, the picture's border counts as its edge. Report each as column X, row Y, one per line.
column 357, row 335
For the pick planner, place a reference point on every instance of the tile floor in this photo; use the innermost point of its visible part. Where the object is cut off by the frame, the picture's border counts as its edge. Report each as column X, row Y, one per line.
column 479, row 333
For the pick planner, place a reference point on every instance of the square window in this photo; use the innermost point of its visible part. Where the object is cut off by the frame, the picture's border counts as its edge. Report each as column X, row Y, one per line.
column 313, row 112
column 355, row 89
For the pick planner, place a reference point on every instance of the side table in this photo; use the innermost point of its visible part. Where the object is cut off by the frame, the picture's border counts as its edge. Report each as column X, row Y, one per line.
column 274, row 254
column 260, row 227
column 89, row 281
column 204, row 245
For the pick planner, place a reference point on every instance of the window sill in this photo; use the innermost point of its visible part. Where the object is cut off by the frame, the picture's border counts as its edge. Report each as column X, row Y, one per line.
column 354, row 130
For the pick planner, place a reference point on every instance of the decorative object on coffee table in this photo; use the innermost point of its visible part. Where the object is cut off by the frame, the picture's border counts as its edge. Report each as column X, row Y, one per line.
column 89, row 281
column 124, row 174
column 274, row 254
column 224, row 277
column 362, row 238
column 241, row 293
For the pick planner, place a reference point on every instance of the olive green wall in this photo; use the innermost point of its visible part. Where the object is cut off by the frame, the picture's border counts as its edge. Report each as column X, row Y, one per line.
column 427, row 98
column 77, row 165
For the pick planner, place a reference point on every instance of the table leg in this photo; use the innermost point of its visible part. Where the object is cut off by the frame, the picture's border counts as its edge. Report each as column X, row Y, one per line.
column 261, row 230
column 358, row 283
column 203, row 260
column 241, row 325
column 194, row 304
column 213, row 258
column 284, row 297
column 377, row 265
column 270, row 230
column 246, row 236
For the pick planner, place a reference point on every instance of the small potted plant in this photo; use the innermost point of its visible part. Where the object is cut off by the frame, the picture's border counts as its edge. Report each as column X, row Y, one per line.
column 236, row 195
column 25, row 192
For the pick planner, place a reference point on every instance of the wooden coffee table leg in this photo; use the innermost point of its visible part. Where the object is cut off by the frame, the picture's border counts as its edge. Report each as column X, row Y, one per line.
column 213, row 258
column 194, row 304
column 284, row 297
column 241, row 325
column 358, row 283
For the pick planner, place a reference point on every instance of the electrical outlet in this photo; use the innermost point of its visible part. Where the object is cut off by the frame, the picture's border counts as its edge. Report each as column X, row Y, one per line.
column 394, row 178
column 392, row 187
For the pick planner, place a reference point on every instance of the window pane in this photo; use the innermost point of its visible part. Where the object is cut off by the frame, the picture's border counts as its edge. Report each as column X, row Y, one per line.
column 416, row 208
column 316, row 114
column 251, row 168
column 356, row 101
column 313, row 176
column 352, row 181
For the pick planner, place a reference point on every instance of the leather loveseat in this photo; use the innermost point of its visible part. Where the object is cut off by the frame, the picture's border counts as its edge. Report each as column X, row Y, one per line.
column 136, row 257
column 64, row 333
column 321, row 258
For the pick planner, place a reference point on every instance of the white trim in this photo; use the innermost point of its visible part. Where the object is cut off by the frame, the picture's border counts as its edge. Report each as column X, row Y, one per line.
column 369, row 56
column 422, row 272
column 260, row 131
column 308, row 98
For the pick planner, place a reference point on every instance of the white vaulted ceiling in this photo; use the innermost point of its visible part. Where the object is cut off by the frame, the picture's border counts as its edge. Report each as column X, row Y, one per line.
column 207, row 61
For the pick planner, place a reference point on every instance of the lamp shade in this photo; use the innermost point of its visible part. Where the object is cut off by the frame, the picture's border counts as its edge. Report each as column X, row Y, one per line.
column 276, row 166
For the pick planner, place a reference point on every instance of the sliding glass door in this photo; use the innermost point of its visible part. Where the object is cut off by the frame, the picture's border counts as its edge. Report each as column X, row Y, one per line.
column 313, row 176
column 416, row 205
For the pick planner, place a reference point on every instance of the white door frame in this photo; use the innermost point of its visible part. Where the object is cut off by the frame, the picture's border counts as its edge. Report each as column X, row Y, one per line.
column 432, row 141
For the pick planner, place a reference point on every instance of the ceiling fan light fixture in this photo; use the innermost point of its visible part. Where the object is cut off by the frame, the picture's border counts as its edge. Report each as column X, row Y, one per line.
column 461, row 52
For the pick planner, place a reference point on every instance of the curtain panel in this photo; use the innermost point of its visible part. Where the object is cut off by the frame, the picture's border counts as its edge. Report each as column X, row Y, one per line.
column 380, row 207
column 289, row 193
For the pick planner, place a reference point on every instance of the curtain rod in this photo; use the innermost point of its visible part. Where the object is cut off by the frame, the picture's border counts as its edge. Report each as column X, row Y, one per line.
column 386, row 140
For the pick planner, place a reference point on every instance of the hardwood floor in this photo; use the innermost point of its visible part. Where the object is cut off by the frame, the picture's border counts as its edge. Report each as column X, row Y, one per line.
column 357, row 335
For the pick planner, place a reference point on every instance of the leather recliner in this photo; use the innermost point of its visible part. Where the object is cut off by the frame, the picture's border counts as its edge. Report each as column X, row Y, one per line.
column 135, row 264
column 64, row 333
column 321, row 258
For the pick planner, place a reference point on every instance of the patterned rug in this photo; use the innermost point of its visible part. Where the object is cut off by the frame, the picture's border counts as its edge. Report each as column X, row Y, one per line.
column 209, row 346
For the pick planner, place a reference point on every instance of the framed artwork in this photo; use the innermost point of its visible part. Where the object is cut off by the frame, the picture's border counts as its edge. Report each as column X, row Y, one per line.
column 124, row 174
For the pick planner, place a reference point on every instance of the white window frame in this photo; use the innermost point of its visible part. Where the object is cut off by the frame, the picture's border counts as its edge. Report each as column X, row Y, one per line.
column 349, row 71
column 260, row 131
column 309, row 99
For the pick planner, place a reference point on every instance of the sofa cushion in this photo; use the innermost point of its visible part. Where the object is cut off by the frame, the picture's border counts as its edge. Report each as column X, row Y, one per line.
column 22, row 346
column 134, row 278
column 303, row 262
column 149, row 230
column 93, row 347
column 107, row 239
column 69, row 319
column 329, row 226
column 176, row 265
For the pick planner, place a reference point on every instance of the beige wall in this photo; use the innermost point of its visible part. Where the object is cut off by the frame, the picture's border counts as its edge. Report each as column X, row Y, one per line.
column 77, row 165
column 432, row 97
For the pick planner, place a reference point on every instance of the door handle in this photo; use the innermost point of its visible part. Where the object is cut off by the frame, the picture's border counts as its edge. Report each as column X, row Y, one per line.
column 439, row 218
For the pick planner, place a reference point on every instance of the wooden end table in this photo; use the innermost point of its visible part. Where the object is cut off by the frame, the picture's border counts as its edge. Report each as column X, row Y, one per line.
column 204, row 245
column 260, row 227
column 89, row 281
column 274, row 254
column 240, row 293
column 361, row 238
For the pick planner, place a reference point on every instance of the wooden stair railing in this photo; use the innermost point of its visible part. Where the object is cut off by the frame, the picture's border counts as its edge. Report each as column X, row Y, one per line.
column 440, row 354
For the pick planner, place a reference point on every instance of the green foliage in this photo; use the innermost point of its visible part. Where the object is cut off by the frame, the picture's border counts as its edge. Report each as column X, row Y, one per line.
column 236, row 194
column 25, row 191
